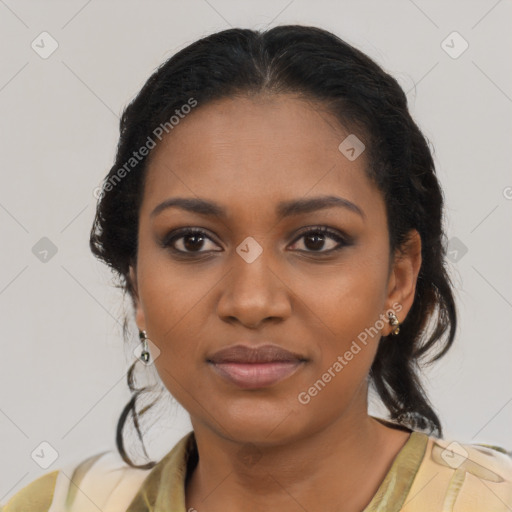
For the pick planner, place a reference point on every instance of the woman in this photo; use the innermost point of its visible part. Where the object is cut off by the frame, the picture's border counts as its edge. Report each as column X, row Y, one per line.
column 274, row 215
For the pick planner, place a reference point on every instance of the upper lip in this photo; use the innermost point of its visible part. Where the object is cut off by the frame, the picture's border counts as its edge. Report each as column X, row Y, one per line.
column 262, row 354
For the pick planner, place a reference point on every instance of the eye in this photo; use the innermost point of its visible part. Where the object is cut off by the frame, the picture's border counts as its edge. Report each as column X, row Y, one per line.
column 315, row 238
column 190, row 240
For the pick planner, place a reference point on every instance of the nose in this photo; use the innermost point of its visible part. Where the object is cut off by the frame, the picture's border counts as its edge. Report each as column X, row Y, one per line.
column 253, row 293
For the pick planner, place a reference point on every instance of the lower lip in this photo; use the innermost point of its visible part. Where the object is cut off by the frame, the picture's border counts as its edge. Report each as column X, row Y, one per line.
column 256, row 375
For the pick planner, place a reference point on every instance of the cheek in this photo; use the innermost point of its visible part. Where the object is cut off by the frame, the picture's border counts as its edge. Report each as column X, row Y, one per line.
column 171, row 302
column 351, row 297
column 169, row 291
column 351, row 307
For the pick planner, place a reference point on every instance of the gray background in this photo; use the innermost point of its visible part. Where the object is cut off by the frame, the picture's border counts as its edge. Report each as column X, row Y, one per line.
column 63, row 362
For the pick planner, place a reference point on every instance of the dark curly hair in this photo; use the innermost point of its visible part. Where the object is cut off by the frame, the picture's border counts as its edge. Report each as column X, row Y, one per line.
column 321, row 68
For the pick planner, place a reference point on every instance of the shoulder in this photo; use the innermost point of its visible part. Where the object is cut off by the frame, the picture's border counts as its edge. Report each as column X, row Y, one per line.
column 462, row 477
column 36, row 496
column 101, row 478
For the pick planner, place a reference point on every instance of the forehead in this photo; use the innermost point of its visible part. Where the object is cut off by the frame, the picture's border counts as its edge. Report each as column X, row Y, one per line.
column 251, row 150
column 232, row 128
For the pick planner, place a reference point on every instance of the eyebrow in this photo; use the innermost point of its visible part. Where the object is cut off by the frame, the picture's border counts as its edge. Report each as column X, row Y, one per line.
column 284, row 209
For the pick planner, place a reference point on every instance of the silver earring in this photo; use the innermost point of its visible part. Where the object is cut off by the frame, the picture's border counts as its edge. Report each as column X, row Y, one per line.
column 393, row 320
column 144, row 355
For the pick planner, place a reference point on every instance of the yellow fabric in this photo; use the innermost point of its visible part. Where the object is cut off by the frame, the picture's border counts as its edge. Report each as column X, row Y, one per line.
column 35, row 497
column 427, row 475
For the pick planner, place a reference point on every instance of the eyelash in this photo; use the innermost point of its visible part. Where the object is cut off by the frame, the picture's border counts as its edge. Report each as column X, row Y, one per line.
column 168, row 240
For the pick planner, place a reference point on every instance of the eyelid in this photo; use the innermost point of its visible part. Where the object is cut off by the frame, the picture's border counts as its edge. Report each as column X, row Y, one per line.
column 176, row 234
column 325, row 230
column 340, row 237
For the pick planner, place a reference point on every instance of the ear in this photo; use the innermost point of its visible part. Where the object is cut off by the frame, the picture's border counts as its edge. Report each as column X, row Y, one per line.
column 139, row 313
column 403, row 277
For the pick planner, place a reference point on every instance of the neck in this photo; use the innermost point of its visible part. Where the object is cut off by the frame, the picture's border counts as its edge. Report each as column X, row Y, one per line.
column 318, row 471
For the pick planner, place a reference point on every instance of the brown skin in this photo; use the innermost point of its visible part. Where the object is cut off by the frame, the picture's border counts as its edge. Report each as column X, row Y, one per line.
column 248, row 155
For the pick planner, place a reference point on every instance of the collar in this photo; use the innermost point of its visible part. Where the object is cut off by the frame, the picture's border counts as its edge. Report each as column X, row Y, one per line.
column 164, row 488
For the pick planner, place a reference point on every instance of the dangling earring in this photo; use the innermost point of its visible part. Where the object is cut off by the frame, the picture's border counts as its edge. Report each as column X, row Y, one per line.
column 144, row 355
column 393, row 320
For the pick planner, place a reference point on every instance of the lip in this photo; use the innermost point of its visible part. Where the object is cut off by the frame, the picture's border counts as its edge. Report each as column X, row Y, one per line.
column 257, row 375
column 259, row 367
column 269, row 353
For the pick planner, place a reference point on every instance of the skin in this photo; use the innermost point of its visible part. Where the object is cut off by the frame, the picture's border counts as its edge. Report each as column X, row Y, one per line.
column 248, row 154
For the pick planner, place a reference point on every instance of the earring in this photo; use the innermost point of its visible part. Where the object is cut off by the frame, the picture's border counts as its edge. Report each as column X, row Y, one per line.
column 145, row 355
column 393, row 320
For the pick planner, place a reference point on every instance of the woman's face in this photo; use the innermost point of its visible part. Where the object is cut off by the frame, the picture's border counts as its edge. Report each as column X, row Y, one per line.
column 255, row 276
